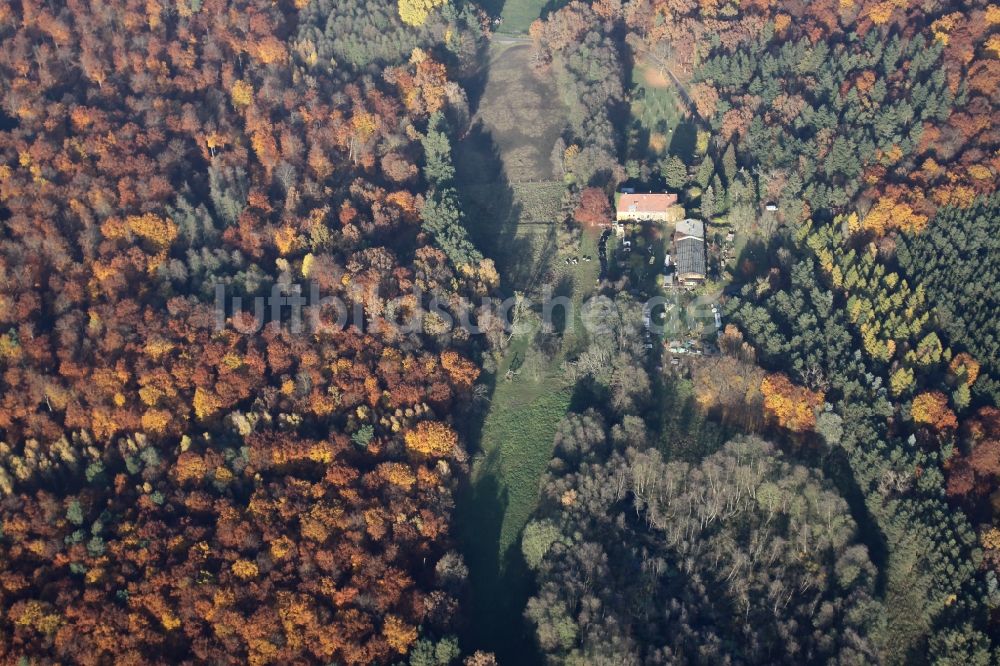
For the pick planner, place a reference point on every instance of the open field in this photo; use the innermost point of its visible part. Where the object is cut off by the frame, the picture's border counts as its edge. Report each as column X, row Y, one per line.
column 517, row 435
column 516, row 447
column 504, row 169
column 518, row 14
column 522, row 113
column 513, row 206
column 515, row 224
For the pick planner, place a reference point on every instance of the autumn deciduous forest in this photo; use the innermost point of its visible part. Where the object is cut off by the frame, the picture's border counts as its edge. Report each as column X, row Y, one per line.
column 804, row 470
column 173, row 492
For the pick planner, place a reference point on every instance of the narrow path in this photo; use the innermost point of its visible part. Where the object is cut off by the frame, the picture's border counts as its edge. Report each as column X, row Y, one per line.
column 602, row 252
column 684, row 95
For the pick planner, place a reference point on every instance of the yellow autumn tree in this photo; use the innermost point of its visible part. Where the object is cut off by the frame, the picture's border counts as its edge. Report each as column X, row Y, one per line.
column 488, row 274
column 901, row 381
column 241, row 93
column 431, row 438
column 245, row 569
column 307, row 264
column 415, row 12
column 206, row 403
column 398, row 634
column 990, row 539
column 931, row 408
column 281, row 547
column 890, row 214
column 285, row 239
column 993, row 45
column 881, row 12
column 156, row 421
column 159, row 232
column 943, row 26
column 397, row 474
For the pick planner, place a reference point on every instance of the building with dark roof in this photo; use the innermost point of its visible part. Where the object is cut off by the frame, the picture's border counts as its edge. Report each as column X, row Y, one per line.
column 689, row 252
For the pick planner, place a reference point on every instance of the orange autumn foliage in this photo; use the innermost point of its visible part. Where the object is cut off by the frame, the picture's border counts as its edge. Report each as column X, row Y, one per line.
column 432, row 438
column 397, row 474
column 430, row 79
column 150, row 150
column 963, row 366
column 790, row 406
column 190, row 467
column 931, row 408
column 462, row 371
column 889, row 214
column 268, row 51
column 594, row 210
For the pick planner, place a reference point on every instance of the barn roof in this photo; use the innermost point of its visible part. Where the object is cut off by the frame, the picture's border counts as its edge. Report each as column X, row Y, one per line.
column 690, row 256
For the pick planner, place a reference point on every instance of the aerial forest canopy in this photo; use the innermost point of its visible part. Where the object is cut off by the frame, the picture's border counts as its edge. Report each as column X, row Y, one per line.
column 855, row 144
column 172, row 491
column 740, row 558
column 201, row 461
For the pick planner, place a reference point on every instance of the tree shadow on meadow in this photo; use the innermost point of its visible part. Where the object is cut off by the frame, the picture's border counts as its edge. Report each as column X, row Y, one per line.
column 492, row 7
column 499, row 586
column 683, row 142
column 491, row 210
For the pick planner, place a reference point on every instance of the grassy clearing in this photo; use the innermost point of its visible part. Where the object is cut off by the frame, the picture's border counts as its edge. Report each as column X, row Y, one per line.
column 522, row 114
column 504, row 169
column 514, row 449
column 512, row 206
column 520, row 427
column 515, row 446
column 515, row 226
column 580, row 280
column 540, row 202
column 532, row 203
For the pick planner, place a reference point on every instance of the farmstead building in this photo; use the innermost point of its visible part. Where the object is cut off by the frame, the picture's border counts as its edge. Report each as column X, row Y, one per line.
column 645, row 207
